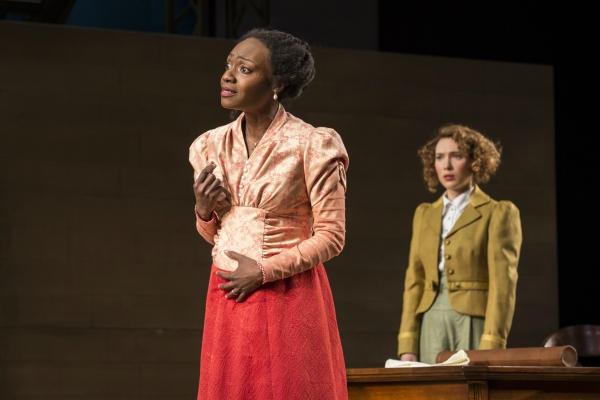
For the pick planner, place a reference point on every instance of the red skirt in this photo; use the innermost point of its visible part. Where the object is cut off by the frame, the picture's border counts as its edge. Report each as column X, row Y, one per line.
column 281, row 343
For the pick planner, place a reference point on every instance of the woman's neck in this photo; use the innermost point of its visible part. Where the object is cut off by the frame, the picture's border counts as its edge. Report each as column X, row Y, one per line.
column 257, row 123
column 452, row 194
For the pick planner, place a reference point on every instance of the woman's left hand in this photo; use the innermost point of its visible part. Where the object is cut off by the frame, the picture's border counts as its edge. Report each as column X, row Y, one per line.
column 244, row 280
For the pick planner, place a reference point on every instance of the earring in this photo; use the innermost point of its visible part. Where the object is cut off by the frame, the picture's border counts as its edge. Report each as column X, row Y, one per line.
column 275, row 96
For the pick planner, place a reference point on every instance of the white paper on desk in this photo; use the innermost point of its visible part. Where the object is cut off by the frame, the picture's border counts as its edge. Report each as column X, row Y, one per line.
column 458, row 358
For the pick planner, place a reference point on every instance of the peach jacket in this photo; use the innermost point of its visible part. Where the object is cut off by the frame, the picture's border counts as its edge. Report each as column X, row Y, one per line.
column 288, row 197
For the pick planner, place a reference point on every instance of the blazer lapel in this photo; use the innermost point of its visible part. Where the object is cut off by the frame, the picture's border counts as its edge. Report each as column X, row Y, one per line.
column 470, row 214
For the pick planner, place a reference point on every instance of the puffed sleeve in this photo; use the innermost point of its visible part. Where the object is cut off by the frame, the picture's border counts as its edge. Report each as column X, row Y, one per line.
column 414, row 282
column 504, row 245
column 325, row 165
column 199, row 160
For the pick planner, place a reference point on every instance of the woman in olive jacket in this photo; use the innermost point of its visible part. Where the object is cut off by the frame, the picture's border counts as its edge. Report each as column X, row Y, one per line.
column 460, row 284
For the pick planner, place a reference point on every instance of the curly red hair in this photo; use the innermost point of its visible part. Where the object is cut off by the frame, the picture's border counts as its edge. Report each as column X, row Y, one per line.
column 483, row 154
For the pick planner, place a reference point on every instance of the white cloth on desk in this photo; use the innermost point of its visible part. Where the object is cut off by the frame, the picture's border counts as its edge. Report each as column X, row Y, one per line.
column 456, row 359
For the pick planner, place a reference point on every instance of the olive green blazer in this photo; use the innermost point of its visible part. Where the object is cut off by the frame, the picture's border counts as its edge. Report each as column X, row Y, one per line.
column 482, row 253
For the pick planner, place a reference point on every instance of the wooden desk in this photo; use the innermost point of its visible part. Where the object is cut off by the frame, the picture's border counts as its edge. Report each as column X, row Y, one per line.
column 474, row 383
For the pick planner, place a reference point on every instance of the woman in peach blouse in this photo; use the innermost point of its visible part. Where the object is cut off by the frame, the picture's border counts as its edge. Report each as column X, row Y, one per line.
column 270, row 196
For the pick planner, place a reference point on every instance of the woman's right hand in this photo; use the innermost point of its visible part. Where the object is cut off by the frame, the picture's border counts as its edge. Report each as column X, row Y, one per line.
column 210, row 192
column 408, row 357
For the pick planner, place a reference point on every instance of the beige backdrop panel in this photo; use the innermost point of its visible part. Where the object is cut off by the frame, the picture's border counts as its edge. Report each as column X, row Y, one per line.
column 102, row 276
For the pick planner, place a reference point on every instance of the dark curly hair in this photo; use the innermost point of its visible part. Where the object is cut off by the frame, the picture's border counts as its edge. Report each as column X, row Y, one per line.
column 291, row 60
column 481, row 151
